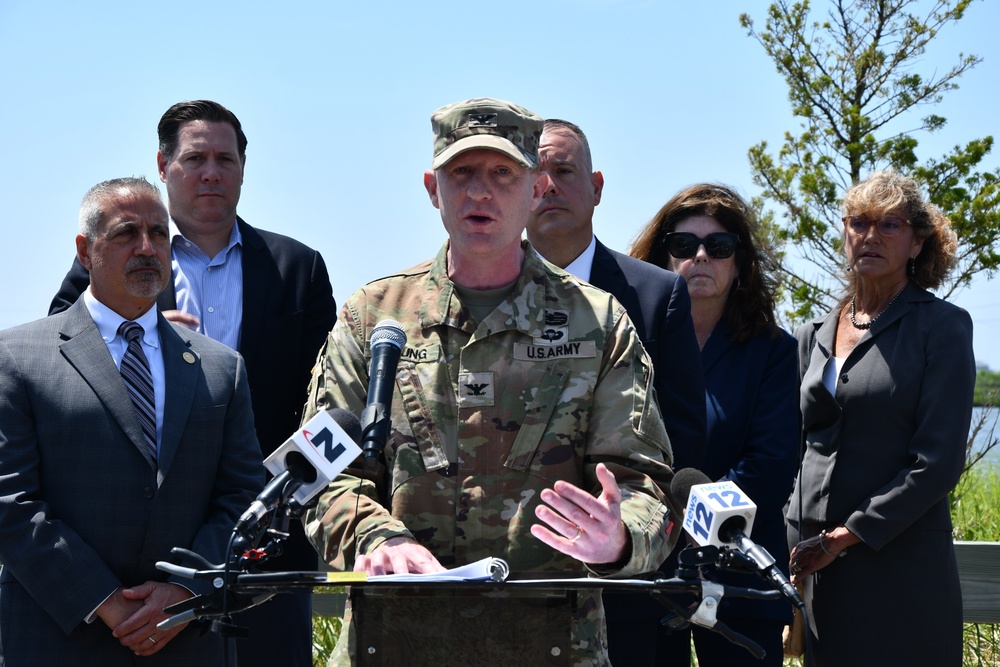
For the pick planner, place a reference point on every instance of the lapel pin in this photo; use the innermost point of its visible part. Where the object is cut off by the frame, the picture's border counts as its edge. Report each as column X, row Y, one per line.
column 189, row 357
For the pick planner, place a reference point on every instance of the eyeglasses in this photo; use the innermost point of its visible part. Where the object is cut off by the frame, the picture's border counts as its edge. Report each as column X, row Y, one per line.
column 859, row 224
column 684, row 245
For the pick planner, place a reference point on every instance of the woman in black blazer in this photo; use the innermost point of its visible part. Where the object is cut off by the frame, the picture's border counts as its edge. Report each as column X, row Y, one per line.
column 886, row 399
column 706, row 233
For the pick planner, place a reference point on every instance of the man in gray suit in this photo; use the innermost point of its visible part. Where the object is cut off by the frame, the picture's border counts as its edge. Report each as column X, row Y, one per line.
column 91, row 496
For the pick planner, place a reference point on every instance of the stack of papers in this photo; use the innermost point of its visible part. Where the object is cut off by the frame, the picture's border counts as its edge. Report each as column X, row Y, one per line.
column 487, row 569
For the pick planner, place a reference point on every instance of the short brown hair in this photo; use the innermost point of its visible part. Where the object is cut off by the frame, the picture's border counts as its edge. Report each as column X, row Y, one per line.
column 184, row 112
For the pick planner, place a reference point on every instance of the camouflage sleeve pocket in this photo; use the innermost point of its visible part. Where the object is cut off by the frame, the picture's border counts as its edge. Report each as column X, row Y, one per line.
column 647, row 421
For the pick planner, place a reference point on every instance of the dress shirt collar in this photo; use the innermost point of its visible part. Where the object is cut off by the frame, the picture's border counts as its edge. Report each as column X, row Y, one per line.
column 180, row 242
column 582, row 265
column 108, row 321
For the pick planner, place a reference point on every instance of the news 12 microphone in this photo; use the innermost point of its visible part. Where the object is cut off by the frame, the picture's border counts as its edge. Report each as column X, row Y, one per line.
column 720, row 514
column 306, row 463
column 387, row 342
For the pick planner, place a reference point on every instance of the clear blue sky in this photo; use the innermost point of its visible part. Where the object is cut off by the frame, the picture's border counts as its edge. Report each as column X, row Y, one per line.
column 336, row 97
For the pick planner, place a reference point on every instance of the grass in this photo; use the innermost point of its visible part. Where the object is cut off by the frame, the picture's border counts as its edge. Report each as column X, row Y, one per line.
column 975, row 513
column 325, row 631
column 975, row 505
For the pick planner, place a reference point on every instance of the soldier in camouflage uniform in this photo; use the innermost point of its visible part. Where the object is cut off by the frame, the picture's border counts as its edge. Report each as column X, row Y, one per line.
column 523, row 422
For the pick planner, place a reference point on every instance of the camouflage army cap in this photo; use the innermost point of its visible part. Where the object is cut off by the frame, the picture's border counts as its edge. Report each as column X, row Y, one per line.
column 483, row 122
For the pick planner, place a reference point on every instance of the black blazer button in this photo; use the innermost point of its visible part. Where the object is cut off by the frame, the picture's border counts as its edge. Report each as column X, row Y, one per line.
column 148, row 492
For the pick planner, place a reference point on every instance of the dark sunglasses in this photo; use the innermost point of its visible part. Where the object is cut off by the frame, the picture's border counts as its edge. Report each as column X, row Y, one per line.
column 684, row 245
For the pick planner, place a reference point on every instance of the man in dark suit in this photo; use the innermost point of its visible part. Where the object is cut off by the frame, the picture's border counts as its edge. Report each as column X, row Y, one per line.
column 90, row 497
column 561, row 229
column 266, row 295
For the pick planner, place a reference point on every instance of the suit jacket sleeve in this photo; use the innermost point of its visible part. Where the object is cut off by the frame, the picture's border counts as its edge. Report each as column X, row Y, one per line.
column 67, row 577
column 321, row 309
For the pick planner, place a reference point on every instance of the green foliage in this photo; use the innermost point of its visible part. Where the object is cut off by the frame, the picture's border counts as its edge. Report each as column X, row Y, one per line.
column 975, row 506
column 854, row 82
column 987, row 388
column 982, row 645
column 326, row 622
column 326, row 629
column 975, row 513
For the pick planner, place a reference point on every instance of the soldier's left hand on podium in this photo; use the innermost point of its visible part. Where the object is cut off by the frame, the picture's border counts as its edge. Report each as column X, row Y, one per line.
column 579, row 525
column 398, row 555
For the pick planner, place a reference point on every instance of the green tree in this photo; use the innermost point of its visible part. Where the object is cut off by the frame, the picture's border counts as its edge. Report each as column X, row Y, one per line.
column 854, row 81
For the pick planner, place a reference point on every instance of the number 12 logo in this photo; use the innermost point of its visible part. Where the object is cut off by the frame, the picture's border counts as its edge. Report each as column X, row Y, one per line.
column 735, row 499
column 701, row 514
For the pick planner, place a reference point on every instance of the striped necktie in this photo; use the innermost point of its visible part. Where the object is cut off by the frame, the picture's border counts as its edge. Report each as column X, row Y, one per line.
column 139, row 381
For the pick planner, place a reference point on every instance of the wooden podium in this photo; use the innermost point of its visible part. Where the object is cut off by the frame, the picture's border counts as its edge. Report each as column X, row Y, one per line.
column 477, row 625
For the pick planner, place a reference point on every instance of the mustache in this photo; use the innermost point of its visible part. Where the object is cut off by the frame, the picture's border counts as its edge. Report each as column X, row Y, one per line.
column 144, row 263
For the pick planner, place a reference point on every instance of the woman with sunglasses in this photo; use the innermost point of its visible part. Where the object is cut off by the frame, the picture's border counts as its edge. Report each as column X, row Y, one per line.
column 706, row 233
column 887, row 382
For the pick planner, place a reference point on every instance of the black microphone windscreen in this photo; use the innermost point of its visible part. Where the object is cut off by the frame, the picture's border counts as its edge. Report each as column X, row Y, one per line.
column 684, row 479
column 731, row 527
column 348, row 421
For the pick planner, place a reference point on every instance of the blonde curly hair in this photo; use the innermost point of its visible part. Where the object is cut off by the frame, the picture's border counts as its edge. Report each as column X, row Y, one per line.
column 886, row 191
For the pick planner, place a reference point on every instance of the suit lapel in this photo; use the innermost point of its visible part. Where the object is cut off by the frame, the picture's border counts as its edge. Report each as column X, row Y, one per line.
column 821, row 401
column 255, row 288
column 181, row 366
column 605, row 272
column 716, row 345
column 85, row 349
column 896, row 310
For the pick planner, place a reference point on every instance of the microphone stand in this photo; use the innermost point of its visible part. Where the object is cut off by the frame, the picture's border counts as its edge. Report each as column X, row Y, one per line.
column 243, row 552
column 236, row 590
column 709, row 594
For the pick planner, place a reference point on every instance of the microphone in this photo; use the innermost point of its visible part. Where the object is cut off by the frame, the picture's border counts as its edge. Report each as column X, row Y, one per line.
column 387, row 341
column 720, row 514
column 306, row 463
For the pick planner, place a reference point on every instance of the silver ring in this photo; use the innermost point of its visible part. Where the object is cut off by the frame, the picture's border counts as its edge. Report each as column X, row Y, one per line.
column 152, row 640
column 579, row 532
